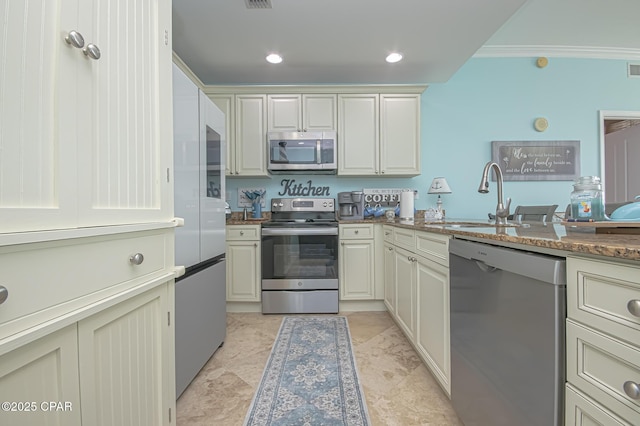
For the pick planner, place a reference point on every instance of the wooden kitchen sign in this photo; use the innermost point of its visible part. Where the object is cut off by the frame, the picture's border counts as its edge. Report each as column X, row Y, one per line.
column 537, row 160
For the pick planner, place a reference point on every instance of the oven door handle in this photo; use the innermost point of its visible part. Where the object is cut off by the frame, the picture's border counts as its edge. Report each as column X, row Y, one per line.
column 299, row 231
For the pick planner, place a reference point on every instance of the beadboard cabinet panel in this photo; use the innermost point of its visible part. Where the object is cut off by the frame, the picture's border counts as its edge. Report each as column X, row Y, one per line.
column 84, row 140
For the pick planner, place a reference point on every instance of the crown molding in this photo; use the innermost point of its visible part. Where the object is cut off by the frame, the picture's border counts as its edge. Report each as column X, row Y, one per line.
column 185, row 68
column 501, row 51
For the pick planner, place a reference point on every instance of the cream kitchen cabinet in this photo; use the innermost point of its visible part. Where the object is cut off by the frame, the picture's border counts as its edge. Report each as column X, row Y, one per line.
column 432, row 305
column 356, row 261
column 42, row 371
column 379, row 134
column 91, row 138
column 302, row 112
column 126, row 362
column 417, row 294
column 405, row 282
column 389, row 269
column 603, row 349
column 226, row 103
column 249, row 146
column 112, row 367
column 243, row 263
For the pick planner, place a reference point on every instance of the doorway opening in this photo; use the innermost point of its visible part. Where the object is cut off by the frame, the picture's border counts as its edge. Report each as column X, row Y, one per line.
column 620, row 155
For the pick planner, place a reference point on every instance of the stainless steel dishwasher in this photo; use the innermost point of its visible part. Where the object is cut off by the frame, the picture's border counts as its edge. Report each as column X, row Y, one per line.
column 508, row 310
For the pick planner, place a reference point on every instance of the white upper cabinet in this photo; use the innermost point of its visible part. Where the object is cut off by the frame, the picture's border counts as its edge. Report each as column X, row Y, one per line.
column 304, row 112
column 379, row 134
column 400, row 135
column 358, row 134
column 85, row 141
column 250, row 144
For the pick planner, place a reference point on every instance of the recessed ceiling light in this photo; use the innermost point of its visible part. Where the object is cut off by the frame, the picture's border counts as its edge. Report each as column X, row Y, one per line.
column 394, row 57
column 274, row 58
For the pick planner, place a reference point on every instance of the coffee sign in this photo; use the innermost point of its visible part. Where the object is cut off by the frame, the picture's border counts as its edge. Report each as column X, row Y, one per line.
column 537, row 160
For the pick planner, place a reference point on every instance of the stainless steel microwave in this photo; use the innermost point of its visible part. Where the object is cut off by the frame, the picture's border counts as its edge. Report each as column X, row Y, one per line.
column 302, row 152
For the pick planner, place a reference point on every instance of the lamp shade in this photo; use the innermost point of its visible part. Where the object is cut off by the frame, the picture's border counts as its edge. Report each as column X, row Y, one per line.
column 439, row 186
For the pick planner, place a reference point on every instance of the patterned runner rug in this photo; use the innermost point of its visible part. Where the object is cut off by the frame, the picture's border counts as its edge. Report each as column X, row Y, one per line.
column 310, row 377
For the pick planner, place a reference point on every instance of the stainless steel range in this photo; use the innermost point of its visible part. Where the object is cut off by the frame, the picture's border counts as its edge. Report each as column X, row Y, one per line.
column 300, row 257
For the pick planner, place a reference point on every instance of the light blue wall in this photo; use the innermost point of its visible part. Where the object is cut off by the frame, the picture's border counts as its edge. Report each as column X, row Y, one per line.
column 498, row 99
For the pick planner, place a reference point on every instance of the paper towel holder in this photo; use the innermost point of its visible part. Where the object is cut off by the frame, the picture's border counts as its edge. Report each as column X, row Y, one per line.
column 439, row 186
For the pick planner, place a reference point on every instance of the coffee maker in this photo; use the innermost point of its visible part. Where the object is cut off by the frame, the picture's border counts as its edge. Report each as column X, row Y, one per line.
column 351, row 205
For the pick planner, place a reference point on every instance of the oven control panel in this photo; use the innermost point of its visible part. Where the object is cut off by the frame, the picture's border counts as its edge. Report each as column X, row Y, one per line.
column 302, row 204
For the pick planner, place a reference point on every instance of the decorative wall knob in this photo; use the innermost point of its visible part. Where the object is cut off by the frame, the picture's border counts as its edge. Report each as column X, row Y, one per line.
column 632, row 389
column 92, row 51
column 75, row 39
column 634, row 307
column 4, row 294
column 136, row 259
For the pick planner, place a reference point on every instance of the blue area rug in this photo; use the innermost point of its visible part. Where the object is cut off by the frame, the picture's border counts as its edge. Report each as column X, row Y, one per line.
column 310, row 378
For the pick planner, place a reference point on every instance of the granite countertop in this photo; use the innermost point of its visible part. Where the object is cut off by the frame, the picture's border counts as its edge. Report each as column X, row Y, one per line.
column 551, row 237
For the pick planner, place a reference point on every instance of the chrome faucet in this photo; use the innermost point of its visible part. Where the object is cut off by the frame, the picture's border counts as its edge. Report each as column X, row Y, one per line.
column 502, row 212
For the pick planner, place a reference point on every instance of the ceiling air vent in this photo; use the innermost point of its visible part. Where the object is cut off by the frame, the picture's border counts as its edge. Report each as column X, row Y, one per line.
column 634, row 70
column 258, row 4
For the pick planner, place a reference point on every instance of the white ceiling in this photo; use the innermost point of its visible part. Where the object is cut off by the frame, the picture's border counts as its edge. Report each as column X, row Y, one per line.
column 346, row 41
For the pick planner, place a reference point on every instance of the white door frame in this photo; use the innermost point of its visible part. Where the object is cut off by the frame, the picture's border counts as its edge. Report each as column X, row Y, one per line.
column 611, row 115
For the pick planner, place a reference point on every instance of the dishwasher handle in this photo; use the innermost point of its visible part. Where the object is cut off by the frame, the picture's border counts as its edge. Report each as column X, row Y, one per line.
column 484, row 267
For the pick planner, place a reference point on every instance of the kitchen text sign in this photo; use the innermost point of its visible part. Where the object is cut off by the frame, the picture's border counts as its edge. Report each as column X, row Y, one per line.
column 293, row 189
column 537, row 160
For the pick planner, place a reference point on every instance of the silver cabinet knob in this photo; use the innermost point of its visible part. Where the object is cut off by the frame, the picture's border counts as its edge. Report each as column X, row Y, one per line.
column 75, row 39
column 356, row 231
column 4, row 294
column 632, row 389
column 634, row 307
column 390, row 248
column 241, row 233
column 136, row 259
column 92, row 51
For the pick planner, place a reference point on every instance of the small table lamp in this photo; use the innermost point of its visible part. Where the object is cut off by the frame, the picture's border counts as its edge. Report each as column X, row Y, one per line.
column 439, row 186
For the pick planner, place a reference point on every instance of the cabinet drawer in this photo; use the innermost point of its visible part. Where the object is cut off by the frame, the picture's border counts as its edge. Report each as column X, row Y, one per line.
column 404, row 238
column 356, row 232
column 243, row 232
column 600, row 366
column 433, row 246
column 387, row 232
column 39, row 276
column 602, row 295
column 582, row 411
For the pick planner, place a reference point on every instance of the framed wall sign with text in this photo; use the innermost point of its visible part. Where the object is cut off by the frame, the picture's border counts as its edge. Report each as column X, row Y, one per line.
column 537, row 160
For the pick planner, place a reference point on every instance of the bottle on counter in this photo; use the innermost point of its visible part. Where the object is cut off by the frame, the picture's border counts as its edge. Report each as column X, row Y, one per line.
column 245, row 214
column 587, row 200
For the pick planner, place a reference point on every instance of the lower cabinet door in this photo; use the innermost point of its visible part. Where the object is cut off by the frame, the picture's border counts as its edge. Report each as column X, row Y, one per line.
column 356, row 270
column 432, row 312
column 405, row 291
column 127, row 364
column 582, row 411
column 390, row 278
column 39, row 381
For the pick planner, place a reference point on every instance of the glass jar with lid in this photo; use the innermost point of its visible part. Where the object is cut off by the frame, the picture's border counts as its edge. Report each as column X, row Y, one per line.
column 587, row 201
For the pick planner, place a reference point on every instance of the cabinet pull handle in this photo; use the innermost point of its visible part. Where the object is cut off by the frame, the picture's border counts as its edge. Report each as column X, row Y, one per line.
column 75, row 39
column 255, row 244
column 241, row 233
column 136, row 259
column 4, row 294
column 92, row 51
column 356, row 231
column 632, row 389
column 634, row 307
column 390, row 248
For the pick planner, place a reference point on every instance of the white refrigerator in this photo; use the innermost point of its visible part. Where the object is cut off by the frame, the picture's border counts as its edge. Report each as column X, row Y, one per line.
column 199, row 192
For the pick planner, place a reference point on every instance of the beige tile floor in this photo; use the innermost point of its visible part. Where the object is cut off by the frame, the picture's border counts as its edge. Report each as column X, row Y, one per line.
column 398, row 388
